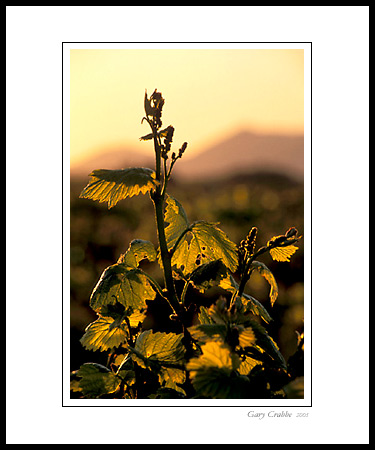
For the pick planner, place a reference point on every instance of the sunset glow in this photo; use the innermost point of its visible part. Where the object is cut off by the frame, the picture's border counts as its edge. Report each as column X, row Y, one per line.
column 209, row 93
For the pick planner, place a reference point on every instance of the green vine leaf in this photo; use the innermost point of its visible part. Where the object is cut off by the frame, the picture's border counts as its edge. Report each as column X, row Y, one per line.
column 171, row 378
column 127, row 376
column 214, row 373
column 225, row 327
column 281, row 248
column 159, row 349
column 137, row 251
column 283, row 254
column 123, row 284
column 265, row 272
column 254, row 306
column 104, row 334
column 265, row 348
column 250, row 303
column 214, row 354
column 215, row 382
column 136, row 318
column 207, row 243
column 208, row 275
column 114, row 185
column 177, row 220
column 97, row 380
column 214, row 244
column 204, row 316
column 198, row 243
column 246, row 336
column 208, row 332
column 247, row 365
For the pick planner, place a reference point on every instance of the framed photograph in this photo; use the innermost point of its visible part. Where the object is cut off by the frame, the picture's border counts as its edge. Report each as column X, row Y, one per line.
column 187, row 224
column 189, row 236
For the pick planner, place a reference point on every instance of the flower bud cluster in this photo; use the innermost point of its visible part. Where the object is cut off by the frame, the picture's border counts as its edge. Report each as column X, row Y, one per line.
column 163, row 138
column 154, row 107
column 182, row 149
column 247, row 247
column 167, row 142
column 157, row 102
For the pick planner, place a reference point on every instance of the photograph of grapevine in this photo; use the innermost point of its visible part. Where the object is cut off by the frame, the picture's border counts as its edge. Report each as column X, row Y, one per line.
column 176, row 318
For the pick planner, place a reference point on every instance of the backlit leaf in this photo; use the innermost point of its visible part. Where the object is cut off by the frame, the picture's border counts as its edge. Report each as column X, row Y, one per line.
column 247, row 365
column 219, row 383
column 97, row 380
column 246, row 337
column 224, row 333
column 214, row 373
column 208, row 332
column 266, row 345
column 137, row 251
column 254, row 306
column 177, row 221
column 74, row 386
column 219, row 313
column 203, row 316
column 185, row 257
column 103, row 335
column 114, row 185
column 136, row 318
column 127, row 376
column 123, row 284
column 214, row 244
column 204, row 243
column 214, row 354
column 208, row 275
column 171, row 377
column 267, row 274
column 250, row 303
column 161, row 348
column 283, row 254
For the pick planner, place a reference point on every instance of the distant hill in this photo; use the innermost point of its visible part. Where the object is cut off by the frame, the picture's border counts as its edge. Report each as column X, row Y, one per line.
column 242, row 153
column 247, row 153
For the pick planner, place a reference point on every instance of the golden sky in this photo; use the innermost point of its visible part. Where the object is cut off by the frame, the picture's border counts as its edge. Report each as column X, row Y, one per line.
column 208, row 93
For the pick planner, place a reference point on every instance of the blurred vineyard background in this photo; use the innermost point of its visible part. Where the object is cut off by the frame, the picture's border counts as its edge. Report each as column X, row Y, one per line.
column 273, row 202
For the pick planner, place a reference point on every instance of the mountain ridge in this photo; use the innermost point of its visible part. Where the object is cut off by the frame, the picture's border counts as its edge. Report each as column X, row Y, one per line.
column 240, row 153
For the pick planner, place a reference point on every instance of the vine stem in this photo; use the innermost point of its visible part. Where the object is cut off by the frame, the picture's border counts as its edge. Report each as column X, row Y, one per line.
column 164, row 253
column 158, row 198
column 166, row 257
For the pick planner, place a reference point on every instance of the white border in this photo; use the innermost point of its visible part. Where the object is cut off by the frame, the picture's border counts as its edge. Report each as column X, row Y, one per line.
column 186, row 45
column 340, row 36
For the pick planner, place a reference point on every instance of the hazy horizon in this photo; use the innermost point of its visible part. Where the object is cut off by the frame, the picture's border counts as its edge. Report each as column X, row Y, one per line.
column 244, row 151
